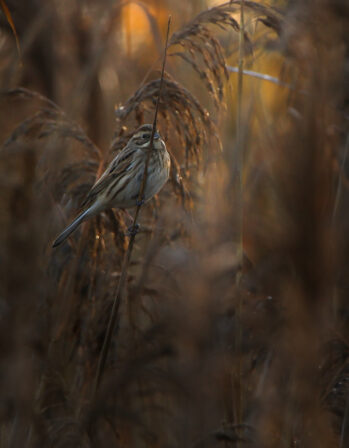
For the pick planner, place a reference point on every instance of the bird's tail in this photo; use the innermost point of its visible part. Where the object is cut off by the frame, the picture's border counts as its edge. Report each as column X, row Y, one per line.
column 73, row 226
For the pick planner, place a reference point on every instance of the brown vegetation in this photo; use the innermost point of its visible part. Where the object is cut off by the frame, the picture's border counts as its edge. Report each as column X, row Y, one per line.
column 232, row 328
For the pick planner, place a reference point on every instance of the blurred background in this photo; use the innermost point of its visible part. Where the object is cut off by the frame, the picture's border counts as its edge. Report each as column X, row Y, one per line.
column 232, row 328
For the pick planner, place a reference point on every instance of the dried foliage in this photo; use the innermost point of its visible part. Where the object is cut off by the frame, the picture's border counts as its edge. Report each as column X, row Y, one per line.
column 207, row 351
column 203, row 51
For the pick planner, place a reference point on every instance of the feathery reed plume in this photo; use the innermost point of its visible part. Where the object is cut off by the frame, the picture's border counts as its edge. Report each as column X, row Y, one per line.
column 187, row 293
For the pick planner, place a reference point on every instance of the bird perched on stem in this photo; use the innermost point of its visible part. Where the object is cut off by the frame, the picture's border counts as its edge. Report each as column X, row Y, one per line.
column 120, row 184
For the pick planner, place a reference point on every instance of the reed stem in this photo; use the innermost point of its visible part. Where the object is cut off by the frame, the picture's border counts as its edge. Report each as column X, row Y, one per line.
column 114, row 315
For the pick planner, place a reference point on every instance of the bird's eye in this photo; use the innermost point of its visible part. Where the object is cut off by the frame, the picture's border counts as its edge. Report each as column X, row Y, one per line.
column 146, row 136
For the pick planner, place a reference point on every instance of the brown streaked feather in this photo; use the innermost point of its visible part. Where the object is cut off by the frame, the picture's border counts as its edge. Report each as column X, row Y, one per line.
column 116, row 169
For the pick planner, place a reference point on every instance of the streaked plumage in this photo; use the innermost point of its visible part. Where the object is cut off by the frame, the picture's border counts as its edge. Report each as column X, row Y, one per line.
column 120, row 183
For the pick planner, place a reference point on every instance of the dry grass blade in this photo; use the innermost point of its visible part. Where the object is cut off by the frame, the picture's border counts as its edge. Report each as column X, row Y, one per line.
column 47, row 121
column 30, row 125
column 201, row 343
column 11, row 23
column 27, row 94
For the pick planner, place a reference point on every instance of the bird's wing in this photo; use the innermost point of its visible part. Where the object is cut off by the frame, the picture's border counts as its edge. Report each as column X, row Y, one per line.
column 118, row 166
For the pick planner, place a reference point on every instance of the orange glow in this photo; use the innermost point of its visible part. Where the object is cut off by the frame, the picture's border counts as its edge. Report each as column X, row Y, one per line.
column 139, row 23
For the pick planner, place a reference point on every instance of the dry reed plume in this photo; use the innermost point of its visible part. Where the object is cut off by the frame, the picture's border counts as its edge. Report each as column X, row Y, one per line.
column 212, row 348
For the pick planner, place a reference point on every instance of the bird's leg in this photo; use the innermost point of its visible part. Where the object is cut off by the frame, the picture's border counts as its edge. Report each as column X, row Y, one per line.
column 128, row 215
column 140, row 202
column 131, row 230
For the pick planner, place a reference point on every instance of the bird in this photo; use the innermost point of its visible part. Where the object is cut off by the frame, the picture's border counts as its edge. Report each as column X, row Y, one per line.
column 119, row 186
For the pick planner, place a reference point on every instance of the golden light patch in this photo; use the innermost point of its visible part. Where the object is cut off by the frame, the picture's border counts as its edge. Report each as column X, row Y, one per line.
column 141, row 25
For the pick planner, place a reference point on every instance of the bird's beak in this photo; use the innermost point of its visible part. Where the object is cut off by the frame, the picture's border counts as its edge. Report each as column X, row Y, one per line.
column 156, row 136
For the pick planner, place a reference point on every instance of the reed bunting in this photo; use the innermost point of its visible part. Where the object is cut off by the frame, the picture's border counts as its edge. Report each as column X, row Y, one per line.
column 120, row 184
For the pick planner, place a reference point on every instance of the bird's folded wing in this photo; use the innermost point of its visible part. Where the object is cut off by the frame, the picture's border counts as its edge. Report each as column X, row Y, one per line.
column 118, row 167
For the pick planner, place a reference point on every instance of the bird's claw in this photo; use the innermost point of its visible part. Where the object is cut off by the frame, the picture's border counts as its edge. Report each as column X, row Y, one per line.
column 140, row 202
column 133, row 230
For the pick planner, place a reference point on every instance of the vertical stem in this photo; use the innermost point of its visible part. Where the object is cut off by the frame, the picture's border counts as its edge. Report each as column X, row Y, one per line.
column 114, row 315
column 344, row 423
column 334, row 220
column 239, row 132
column 237, row 377
column 339, row 184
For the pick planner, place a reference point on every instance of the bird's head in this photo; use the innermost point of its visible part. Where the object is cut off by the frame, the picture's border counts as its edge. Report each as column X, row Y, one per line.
column 142, row 137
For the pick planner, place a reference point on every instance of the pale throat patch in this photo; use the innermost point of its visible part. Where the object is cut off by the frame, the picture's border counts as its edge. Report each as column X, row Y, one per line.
column 156, row 144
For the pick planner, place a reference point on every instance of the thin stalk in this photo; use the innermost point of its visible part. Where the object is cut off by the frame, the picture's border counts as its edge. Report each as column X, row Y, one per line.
column 239, row 132
column 344, row 423
column 265, row 77
column 240, row 163
column 114, row 315
column 340, row 181
column 334, row 219
column 262, row 76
